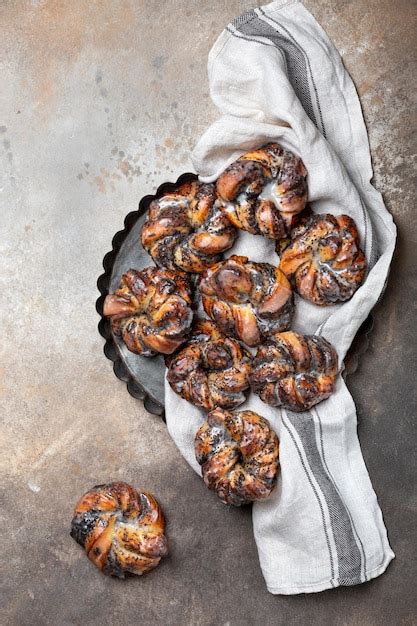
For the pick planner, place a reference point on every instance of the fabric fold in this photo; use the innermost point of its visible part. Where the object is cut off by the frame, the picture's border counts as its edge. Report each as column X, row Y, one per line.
column 275, row 76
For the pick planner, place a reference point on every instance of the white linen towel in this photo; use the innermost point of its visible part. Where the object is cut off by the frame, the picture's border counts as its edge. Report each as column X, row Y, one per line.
column 275, row 76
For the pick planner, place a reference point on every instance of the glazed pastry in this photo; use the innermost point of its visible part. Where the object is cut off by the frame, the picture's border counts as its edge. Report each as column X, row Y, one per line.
column 294, row 371
column 264, row 191
column 151, row 310
column 186, row 230
column 211, row 369
column 238, row 452
column 250, row 301
column 121, row 529
column 324, row 261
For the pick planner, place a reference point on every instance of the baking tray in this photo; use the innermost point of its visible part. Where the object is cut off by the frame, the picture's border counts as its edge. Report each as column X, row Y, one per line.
column 144, row 377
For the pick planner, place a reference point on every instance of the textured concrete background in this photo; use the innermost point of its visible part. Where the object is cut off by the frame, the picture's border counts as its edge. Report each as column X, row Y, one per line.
column 101, row 101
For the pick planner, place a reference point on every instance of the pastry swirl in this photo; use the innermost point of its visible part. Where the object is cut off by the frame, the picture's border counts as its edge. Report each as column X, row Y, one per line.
column 264, row 190
column 324, row 261
column 186, row 230
column 238, row 452
column 211, row 370
column 247, row 300
column 121, row 529
column 151, row 310
column 294, row 371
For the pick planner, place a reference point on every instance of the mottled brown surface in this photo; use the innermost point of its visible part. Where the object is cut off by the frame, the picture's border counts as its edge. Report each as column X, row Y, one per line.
column 99, row 106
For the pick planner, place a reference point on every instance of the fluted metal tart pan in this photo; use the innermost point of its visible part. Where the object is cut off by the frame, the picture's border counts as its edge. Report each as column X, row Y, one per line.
column 144, row 377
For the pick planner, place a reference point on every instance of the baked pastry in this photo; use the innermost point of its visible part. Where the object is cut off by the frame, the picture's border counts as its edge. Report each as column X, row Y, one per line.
column 264, row 191
column 211, row 369
column 238, row 452
column 294, row 371
column 324, row 261
column 121, row 529
column 186, row 230
column 247, row 300
column 151, row 310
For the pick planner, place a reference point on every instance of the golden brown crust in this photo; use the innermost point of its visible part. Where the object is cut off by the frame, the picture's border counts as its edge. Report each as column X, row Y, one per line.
column 121, row 529
column 211, row 369
column 324, row 261
column 294, row 371
column 151, row 310
column 264, row 191
column 186, row 230
column 250, row 301
column 238, row 452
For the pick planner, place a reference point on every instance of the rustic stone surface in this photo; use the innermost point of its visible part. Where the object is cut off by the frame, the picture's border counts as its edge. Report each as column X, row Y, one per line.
column 102, row 101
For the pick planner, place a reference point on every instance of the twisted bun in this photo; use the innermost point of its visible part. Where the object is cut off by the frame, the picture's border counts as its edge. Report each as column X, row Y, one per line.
column 294, row 371
column 238, row 453
column 186, row 230
column 211, row 369
column 151, row 310
column 121, row 529
column 264, row 190
column 324, row 261
column 247, row 300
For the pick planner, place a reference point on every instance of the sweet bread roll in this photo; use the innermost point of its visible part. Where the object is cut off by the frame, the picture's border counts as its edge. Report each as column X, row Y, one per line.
column 294, row 371
column 247, row 300
column 186, row 230
column 324, row 261
column 151, row 310
column 211, row 369
column 264, row 191
column 121, row 529
column 238, row 452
